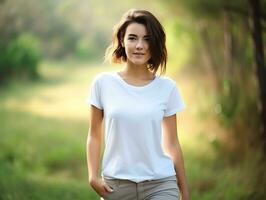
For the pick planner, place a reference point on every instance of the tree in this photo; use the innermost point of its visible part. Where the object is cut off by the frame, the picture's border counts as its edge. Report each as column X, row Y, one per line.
column 260, row 61
column 224, row 32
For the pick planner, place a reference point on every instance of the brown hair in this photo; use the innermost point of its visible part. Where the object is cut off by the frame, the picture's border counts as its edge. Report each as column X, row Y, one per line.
column 116, row 52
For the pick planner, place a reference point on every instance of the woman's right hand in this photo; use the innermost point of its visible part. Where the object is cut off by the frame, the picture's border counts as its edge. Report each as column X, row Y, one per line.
column 100, row 186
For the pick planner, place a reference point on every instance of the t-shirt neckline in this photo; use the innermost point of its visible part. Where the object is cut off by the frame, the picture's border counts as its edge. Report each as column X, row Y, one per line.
column 148, row 85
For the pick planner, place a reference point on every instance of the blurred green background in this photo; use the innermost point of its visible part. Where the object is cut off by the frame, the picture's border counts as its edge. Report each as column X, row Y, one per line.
column 51, row 50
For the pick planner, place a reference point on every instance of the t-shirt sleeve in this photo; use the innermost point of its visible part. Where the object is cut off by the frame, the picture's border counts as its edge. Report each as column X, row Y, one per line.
column 94, row 96
column 175, row 103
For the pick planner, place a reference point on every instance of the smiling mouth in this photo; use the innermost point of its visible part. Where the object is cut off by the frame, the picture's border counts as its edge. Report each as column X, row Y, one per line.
column 139, row 54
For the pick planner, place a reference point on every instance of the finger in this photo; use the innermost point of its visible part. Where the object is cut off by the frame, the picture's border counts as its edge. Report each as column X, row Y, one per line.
column 103, row 194
column 108, row 188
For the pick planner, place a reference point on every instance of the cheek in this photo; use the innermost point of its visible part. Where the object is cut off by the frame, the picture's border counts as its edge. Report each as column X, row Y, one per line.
column 129, row 48
column 129, row 45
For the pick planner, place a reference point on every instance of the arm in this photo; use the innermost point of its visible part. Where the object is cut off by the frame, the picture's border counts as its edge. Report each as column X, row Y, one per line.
column 93, row 150
column 172, row 148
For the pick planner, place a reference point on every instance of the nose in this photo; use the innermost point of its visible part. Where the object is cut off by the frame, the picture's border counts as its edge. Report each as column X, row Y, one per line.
column 139, row 44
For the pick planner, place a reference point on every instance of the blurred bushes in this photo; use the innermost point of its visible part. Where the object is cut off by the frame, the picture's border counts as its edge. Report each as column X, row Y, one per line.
column 58, row 30
column 85, row 49
column 20, row 57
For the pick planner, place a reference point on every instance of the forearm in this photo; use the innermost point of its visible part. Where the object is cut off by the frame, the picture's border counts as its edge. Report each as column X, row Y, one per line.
column 176, row 154
column 93, row 156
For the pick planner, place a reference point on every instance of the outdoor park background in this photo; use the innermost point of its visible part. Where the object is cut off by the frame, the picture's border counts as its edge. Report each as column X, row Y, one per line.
column 51, row 50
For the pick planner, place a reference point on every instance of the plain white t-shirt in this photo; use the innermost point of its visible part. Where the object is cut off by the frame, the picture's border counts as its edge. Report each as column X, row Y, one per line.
column 132, row 125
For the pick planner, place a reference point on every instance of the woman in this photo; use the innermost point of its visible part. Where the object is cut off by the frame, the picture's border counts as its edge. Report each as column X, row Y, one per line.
column 135, row 111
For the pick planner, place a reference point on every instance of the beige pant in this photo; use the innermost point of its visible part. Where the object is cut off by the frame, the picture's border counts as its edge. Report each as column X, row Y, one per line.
column 161, row 189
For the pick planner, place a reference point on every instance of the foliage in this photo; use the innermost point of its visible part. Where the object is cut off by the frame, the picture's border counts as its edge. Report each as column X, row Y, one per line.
column 21, row 57
column 40, row 18
column 223, row 51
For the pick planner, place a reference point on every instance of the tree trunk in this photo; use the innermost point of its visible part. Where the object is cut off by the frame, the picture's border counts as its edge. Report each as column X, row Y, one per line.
column 254, row 6
column 228, row 45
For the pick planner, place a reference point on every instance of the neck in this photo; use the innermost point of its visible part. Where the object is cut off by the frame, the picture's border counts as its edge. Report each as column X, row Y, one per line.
column 137, row 71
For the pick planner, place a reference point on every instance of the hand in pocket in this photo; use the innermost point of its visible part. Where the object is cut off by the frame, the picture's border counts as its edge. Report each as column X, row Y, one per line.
column 101, row 187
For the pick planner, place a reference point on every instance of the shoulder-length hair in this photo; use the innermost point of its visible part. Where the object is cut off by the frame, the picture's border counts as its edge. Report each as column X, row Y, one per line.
column 116, row 52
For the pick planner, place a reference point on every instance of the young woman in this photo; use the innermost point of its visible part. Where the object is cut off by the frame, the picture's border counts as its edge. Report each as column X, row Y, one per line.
column 134, row 110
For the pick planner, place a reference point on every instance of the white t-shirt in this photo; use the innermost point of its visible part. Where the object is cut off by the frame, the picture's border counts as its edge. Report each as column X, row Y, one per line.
column 132, row 125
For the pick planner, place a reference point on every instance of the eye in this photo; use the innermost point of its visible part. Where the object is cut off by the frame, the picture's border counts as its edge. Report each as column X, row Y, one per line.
column 131, row 38
column 147, row 39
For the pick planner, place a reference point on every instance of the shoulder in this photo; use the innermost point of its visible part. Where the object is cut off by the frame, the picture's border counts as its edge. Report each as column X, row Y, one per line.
column 167, row 81
column 102, row 76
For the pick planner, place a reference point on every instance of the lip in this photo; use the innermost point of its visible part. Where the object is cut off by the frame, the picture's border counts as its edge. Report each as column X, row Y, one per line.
column 139, row 53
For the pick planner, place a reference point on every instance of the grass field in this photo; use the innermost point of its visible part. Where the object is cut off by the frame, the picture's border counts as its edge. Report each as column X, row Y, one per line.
column 43, row 133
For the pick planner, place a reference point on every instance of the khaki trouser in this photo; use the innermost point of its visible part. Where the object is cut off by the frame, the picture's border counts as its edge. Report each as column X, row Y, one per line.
column 161, row 189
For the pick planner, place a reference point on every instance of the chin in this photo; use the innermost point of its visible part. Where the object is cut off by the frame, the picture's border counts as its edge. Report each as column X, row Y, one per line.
column 138, row 62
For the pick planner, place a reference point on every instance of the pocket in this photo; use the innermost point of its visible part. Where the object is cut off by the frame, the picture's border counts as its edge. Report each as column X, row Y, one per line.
column 113, row 183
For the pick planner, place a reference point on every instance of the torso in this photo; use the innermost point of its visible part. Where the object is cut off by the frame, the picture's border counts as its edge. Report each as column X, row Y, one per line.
column 132, row 125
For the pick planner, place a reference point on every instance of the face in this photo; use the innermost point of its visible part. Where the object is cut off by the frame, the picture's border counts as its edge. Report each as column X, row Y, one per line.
column 136, row 44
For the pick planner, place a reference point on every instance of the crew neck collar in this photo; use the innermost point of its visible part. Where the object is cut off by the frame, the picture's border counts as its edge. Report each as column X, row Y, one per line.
column 134, row 87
